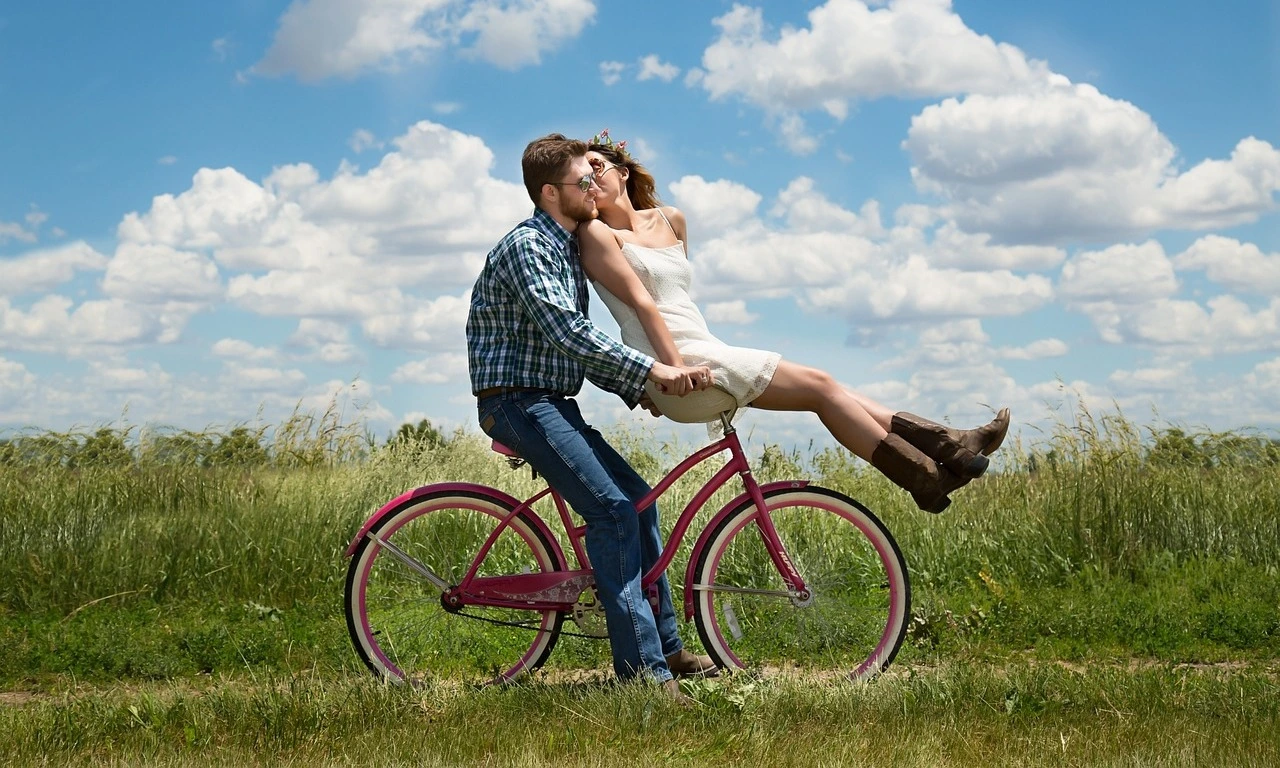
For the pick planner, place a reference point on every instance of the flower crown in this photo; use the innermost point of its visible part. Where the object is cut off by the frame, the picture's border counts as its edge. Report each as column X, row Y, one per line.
column 603, row 139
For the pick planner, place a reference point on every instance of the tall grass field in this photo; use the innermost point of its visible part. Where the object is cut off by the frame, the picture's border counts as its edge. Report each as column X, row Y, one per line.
column 1111, row 597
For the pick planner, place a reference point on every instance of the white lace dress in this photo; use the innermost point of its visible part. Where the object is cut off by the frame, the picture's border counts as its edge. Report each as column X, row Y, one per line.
column 666, row 274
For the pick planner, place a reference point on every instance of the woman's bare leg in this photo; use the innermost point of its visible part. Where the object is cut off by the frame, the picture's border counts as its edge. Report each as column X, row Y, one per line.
column 799, row 388
column 882, row 415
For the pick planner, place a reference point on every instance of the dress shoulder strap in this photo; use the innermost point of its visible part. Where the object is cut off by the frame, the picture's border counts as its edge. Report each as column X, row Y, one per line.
column 664, row 218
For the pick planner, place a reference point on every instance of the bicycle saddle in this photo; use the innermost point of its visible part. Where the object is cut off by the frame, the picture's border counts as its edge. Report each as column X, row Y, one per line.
column 695, row 407
column 504, row 450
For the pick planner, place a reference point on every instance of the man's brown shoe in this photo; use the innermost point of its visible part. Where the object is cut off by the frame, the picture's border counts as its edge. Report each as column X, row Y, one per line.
column 686, row 664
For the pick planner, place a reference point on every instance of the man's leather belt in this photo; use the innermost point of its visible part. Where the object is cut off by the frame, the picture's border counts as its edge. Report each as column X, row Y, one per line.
column 491, row 391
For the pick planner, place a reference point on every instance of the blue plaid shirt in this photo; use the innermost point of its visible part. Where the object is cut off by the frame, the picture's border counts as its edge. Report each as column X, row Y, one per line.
column 528, row 324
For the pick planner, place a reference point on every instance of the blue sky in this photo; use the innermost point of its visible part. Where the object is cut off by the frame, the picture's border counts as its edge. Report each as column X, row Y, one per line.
column 211, row 213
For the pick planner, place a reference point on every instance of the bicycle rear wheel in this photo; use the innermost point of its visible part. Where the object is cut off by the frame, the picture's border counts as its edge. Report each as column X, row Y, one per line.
column 395, row 616
column 855, row 616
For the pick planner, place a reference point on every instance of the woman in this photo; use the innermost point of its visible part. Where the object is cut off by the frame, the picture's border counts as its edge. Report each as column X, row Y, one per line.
column 635, row 253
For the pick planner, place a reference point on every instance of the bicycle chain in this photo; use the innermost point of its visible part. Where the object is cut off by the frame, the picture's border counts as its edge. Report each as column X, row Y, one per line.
column 525, row 626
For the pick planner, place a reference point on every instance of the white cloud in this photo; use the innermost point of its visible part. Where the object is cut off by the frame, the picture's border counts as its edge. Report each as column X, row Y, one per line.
column 327, row 341
column 436, row 369
column 718, row 206
column 437, row 324
column 511, row 34
column 1240, row 267
column 611, row 72
column 13, row 231
column 362, row 140
column 730, row 312
column 317, row 39
column 14, row 377
column 349, row 247
column 652, row 67
column 825, row 253
column 851, row 50
column 324, row 38
column 40, row 271
column 445, row 107
column 1124, row 273
column 154, row 274
column 52, row 326
column 1223, row 325
column 263, row 379
column 166, row 160
column 1036, row 350
column 239, row 349
column 220, row 46
column 1164, row 378
column 1066, row 162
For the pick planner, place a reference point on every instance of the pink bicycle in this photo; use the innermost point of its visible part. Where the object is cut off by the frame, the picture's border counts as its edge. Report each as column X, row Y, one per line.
column 464, row 580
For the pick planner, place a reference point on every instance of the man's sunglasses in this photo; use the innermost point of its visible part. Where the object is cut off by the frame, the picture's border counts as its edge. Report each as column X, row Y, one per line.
column 583, row 183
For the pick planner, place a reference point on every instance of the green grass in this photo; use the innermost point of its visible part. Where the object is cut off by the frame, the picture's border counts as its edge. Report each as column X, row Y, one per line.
column 166, row 611
column 958, row 715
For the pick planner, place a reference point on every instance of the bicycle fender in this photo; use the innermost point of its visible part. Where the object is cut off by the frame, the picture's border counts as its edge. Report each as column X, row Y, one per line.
column 426, row 490
column 766, row 490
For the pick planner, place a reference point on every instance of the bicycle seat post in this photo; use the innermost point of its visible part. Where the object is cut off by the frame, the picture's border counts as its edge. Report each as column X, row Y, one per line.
column 728, row 425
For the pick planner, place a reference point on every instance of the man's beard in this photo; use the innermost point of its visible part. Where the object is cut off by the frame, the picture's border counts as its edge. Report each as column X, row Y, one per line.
column 580, row 212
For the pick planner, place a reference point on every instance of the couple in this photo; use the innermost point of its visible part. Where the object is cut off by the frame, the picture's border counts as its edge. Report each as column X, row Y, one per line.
column 530, row 344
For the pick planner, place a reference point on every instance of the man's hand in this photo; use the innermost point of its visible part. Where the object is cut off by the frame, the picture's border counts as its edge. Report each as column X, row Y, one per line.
column 680, row 380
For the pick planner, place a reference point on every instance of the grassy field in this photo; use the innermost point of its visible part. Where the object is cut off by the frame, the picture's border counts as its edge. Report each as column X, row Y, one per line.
column 1112, row 598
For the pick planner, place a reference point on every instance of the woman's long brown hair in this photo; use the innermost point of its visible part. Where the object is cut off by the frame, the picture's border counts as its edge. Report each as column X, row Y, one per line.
column 641, row 187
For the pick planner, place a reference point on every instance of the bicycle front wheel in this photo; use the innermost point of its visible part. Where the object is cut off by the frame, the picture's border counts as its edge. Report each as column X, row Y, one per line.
column 395, row 616
column 854, row 616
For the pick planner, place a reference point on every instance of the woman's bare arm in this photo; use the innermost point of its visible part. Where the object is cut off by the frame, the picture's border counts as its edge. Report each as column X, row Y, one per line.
column 604, row 263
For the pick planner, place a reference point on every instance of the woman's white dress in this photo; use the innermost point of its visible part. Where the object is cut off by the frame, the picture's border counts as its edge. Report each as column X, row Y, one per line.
column 666, row 274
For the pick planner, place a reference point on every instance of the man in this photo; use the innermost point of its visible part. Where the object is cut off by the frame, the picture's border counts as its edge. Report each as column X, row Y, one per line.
column 529, row 346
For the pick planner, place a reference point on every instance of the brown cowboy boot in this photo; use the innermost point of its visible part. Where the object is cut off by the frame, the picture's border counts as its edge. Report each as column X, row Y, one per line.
column 964, row 452
column 926, row 480
column 682, row 663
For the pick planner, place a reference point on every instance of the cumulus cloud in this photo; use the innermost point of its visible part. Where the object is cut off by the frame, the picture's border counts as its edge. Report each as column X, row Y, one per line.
column 43, row 270
column 1066, row 162
column 10, row 230
column 611, row 72
column 852, row 50
column 239, row 349
column 1036, row 350
column 51, row 325
column 1237, row 266
column 1124, row 274
column 317, row 39
column 351, row 247
column 717, row 205
column 433, row 324
column 731, row 313
column 436, row 369
column 835, row 260
column 652, row 67
column 1014, row 149
column 1129, row 292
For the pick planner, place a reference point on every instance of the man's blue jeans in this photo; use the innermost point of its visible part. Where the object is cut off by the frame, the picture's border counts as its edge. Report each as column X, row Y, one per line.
column 548, row 431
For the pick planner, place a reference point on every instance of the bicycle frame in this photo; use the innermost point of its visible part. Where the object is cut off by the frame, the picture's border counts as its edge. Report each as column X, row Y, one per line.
column 559, row 590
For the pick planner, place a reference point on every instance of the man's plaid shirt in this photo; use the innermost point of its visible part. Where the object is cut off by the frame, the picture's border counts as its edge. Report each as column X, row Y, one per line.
column 528, row 324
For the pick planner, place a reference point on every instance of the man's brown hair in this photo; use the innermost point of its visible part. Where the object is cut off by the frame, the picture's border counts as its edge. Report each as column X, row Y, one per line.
column 546, row 159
